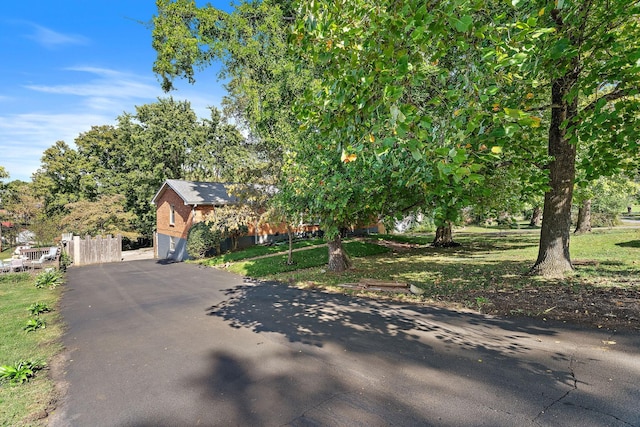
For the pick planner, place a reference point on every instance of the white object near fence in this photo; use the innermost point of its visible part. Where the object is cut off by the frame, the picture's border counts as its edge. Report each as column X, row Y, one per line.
column 96, row 250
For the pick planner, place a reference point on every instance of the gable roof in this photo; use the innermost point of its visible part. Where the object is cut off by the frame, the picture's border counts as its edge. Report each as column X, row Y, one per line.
column 197, row 193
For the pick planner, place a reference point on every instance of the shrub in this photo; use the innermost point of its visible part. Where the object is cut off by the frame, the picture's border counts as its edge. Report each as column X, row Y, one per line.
column 65, row 261
column 20, row 371
column 34, row 323
column 49, row 279
column 39, row 307
column 201, row 240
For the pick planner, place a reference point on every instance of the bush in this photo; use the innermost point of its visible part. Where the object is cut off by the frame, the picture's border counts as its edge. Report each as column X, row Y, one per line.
column 65, row 261
column 39, row 307
column 49, row 279
column 20, row 371
column 34, row 324
column 201, row 240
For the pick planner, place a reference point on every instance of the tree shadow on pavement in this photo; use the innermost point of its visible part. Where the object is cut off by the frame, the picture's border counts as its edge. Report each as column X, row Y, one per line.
column 340, row 347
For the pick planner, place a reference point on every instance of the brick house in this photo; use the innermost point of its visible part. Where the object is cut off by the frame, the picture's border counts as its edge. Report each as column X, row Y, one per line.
column 179, row 205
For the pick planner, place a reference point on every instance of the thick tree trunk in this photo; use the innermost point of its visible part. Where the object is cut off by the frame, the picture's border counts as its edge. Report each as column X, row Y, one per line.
column 338, row 259
column 553, row 254
column 536, row 217
column 444, row 237
column 584, row 218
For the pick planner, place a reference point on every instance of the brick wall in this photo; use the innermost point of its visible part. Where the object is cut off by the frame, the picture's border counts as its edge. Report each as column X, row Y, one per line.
column 183, row 215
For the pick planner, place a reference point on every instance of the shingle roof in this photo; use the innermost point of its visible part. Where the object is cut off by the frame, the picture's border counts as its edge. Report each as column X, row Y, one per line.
column 197, row 193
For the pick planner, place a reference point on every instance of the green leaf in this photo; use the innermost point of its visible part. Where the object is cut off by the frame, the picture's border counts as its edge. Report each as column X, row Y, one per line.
column 559, row 48
column 510, row 129
column 513, row 112
column 463, row 24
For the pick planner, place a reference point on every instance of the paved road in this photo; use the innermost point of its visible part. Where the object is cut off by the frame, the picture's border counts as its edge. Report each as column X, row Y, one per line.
column 177, row 345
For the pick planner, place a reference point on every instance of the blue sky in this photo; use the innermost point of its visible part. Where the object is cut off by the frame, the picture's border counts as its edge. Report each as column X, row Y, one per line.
column 72, row 64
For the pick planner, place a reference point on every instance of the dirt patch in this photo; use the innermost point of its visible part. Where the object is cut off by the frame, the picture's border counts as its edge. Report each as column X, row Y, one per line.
column 611, row 308
column 396, row 246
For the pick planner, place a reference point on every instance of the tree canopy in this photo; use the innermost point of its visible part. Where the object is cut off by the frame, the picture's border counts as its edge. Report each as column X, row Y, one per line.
column 470, row 76
column 413, row 105
column 105, row 184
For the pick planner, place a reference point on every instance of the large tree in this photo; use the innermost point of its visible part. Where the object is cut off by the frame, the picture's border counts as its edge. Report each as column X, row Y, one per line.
column 496, row 72
column 264, row 80
column 161, row 140
column 584, row 56
column 58, row 180
column 104, row 216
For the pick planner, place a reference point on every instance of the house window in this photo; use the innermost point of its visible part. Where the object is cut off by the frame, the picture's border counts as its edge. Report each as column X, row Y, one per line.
column 172, row 215
column 172, row 244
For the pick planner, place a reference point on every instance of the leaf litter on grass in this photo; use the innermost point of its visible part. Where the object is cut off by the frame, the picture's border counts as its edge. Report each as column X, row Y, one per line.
column 604, row 291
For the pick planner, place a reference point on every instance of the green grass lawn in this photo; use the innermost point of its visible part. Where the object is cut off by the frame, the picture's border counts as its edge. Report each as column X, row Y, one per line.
column 24, row 404
column 257, row 251
column 494, row 260
column 314, row 257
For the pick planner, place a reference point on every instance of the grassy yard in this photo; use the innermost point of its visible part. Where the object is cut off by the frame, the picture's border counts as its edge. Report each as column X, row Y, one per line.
column 257, row 251
column 27, row 403
column 607, row 256
column 487, row 272
column 490, row 260
column 313, row 257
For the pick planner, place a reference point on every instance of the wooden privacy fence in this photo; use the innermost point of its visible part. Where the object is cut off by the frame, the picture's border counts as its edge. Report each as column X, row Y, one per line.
column 96, row 250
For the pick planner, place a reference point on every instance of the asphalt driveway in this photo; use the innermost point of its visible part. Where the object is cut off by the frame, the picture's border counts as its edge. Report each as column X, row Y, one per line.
column 151, row 344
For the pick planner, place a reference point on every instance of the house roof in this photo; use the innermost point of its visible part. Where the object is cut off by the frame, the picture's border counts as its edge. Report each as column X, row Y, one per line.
column 197, row 193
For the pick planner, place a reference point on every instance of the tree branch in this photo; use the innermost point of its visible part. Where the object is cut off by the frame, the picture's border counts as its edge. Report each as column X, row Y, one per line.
column 611, row 96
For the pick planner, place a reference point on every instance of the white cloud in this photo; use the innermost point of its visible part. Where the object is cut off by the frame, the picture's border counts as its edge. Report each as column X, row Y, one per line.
column 51, row 39
column 106, row 84
column 120, row 91
column 98, row 98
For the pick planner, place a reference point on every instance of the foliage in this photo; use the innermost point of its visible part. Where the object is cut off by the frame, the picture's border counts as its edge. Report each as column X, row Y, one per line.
column 34, row 324
column 65, row 261
column 231, row 221
column 57, row 181
column 456, row 78
column 262, row 79
column 613, row 195
column 202, row 240
column 383, row 96
column 20, row 371
column 609, row 197
column 105, row 215
column 105, row 184
column 46, row 228
column 222, row 154
column 25, row 208
column 39, row 307
column 49, row 278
